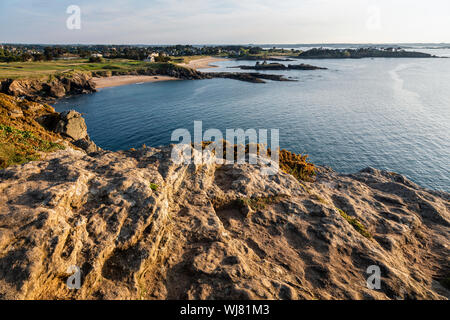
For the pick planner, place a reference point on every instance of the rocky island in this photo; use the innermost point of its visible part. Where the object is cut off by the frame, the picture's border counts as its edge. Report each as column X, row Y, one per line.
column 139, row 226
column 322, row 53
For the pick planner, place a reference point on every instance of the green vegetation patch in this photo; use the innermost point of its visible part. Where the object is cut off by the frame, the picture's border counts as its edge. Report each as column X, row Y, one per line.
column 259, row 203
column 358, row 226
column 154, row 186
column 297, row 165
column 18, row 146
column 44, row 69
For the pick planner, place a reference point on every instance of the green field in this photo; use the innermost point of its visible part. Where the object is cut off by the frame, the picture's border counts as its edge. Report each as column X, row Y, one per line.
column 37, row 70
column 44, row 69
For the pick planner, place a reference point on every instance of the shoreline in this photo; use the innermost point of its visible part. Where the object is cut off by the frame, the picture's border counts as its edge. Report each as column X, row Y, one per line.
column 116, row 81
column 203, row 63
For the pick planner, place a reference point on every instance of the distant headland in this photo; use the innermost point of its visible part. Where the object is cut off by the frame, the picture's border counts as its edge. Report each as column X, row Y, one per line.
column 322, row 53
column 46, row 73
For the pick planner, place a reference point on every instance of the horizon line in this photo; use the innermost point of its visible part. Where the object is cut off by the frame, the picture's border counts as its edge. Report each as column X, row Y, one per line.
column 231, row 44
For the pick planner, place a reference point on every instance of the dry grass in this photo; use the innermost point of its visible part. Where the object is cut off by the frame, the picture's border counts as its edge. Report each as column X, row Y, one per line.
column 358, row 226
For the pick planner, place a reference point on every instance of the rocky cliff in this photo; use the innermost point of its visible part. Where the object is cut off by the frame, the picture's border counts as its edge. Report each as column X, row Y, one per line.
column 29, row 129
column 165, row 69
column 139, row 226
column 57, row 86
column 49, row 89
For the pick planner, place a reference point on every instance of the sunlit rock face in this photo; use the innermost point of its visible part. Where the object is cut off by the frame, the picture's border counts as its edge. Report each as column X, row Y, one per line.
column 137, row 225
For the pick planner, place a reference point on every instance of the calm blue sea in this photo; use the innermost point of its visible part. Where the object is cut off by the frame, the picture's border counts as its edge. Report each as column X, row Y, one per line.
column 390, row 114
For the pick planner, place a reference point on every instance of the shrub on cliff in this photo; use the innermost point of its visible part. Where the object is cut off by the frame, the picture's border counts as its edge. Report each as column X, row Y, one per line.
column 294, row 164
column 297, row 165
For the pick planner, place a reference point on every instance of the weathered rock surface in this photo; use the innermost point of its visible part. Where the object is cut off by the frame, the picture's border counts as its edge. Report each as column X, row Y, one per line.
column 42, row 121
column 254, row 77
column 166, row 69
column 140, row 226
column 72, row 125
column 40, row 90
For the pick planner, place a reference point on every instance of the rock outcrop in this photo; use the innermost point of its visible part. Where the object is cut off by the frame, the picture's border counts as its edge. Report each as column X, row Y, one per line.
column 165, row 69
column 42, row 122
column 71, row 124
column 138, row 226
column 184, row 73
column 49, row 89
column 254, row 77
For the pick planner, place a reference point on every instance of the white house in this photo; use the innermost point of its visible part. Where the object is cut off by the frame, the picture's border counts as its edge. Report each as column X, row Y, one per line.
column 151, row 57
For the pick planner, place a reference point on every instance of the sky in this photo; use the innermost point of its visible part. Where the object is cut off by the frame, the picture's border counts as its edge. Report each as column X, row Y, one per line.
column 225, row 21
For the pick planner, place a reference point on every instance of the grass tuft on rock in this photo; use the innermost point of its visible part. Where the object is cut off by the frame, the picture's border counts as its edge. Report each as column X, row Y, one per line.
column 259, row 203
column 154, row 186
column 358, row 226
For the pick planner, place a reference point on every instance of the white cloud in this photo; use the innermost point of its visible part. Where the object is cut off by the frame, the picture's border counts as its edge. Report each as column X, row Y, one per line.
column 232, row 21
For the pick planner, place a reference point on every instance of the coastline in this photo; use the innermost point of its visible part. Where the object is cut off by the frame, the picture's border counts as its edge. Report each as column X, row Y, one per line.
column 202, row 63
column 115, row 81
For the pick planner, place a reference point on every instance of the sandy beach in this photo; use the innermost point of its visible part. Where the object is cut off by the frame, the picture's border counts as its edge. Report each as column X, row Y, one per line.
column 202, row 63
column 115, row 81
